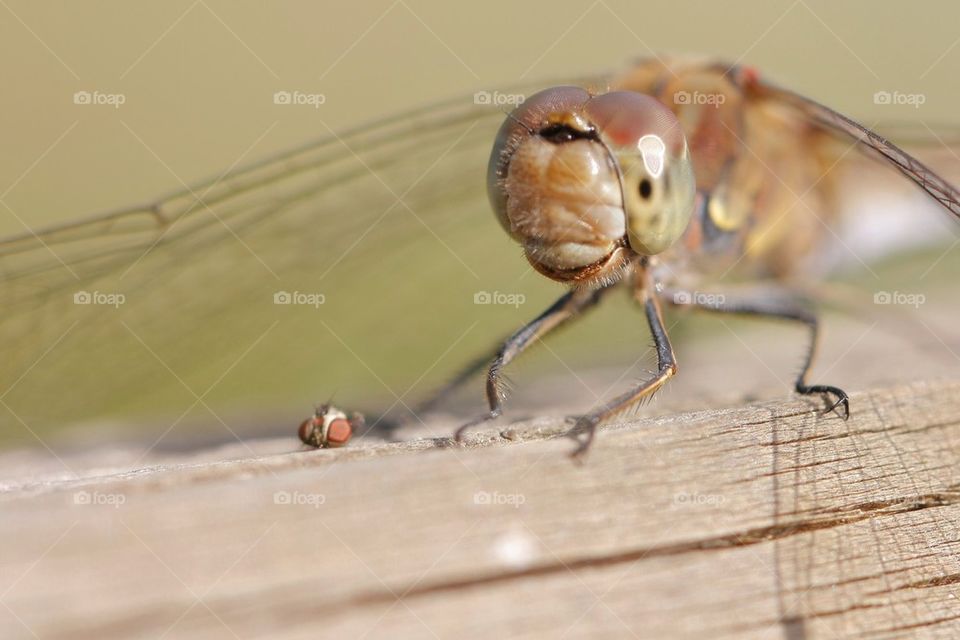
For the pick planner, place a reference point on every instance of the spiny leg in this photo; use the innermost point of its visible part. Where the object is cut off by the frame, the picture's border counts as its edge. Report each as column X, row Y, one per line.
column 569, row 306
column 666, row 368
column 482, row 362
column 785, row 309
column 471, row 369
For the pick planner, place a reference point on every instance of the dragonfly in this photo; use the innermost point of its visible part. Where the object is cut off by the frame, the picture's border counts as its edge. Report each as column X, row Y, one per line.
column 670, row 168
column 370, row 260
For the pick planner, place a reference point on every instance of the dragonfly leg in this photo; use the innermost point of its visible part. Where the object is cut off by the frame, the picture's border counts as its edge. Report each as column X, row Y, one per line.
column 472, row 368
column 784, row 309
column 666, row 369
column 569, row 306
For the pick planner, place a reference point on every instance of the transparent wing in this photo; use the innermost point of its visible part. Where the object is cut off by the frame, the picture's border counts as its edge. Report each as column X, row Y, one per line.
column 873, row 214
column 365, row 266
column 872, row 143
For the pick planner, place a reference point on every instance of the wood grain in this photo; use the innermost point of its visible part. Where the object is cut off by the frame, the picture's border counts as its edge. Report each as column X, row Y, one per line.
column 764, row 521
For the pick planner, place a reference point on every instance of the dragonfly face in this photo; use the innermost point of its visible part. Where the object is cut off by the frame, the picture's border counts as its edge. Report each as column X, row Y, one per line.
column 581, row 181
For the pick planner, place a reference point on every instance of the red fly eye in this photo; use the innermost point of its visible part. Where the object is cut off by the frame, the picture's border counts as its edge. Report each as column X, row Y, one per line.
column 306, row 429
column 339, row 433
column 311, row 430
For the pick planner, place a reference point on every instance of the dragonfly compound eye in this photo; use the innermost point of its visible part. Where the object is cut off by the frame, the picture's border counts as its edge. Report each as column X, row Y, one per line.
column 651, row 152
column 554, row 185
column 573, row 175
column 658, row 198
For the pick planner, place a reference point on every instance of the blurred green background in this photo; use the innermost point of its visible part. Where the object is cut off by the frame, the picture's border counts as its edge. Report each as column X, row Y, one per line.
column 197, row 76
column 198, row 80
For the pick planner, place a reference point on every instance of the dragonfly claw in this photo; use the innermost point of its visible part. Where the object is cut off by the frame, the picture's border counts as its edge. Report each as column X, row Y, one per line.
column 842, row 399
column 827, row 391
column 460, row 433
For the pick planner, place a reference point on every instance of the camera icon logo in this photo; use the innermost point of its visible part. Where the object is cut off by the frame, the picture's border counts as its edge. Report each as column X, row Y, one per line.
column 482, row 297
column 82, row 297
column 482, row 97
column 682, row 297
column 81, row 497
column 82, row 97
column 681, row 97
column 282, row 297
column 882, row 297
column 482, row 497
column 882, row 97
column 282, row 97
column 281, row 497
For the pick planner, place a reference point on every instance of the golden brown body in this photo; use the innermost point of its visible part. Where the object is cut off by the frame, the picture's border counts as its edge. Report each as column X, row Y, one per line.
column 765, row 175
column 679, row 167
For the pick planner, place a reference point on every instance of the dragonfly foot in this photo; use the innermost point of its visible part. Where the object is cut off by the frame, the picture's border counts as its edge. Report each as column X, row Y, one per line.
column 828, row 392
column 460, row 433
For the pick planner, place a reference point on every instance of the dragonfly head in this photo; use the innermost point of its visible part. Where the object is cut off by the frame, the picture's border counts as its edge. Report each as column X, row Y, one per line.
column 581, row 180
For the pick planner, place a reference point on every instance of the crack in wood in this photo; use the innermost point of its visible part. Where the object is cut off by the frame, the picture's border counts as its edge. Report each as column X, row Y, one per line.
column 841, row 516
column 937, row 581
column 796, row 468
column 916, row 625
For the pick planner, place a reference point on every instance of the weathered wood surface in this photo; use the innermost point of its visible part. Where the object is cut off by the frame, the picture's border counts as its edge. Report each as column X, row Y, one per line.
column 764, row 521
